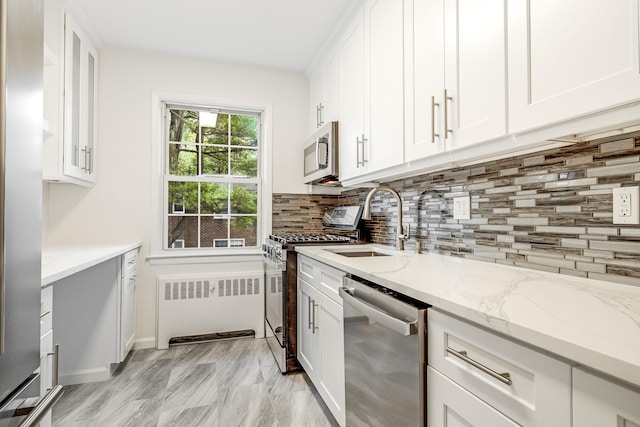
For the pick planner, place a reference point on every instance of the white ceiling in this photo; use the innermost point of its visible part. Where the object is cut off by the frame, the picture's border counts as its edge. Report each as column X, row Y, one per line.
column 275, row 33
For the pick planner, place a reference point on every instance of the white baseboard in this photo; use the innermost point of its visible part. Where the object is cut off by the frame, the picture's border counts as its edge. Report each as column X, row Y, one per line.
column 85, row 376
column 144, row 343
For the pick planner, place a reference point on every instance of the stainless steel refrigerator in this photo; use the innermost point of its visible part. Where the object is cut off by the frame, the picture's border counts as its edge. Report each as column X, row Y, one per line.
column 21, row 130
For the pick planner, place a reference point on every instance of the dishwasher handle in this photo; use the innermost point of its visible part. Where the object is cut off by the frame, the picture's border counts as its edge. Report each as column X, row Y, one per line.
column 396, row 325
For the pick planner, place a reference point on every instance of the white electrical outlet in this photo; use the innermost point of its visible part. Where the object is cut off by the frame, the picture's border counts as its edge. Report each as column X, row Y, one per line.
column 626, row 206
column 462, row 207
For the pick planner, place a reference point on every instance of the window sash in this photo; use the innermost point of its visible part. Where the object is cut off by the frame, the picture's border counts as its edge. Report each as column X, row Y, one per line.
column 211, row 178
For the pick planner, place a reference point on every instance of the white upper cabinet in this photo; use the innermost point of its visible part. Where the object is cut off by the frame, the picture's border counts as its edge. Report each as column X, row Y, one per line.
column 70, row 92
column 570, row 58
column 384, row 83
column 324, row 91
column 351, row 126
column 456, row 74
column 372, row 95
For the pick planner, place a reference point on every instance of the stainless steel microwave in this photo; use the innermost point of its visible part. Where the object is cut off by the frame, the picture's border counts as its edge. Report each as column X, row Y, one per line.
column 321, row 156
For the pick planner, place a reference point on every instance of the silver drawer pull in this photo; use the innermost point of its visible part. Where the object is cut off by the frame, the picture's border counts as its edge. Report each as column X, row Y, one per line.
column 504, row 377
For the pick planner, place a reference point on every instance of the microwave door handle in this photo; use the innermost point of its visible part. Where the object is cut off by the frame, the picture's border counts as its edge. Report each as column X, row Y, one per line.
column 326, row 154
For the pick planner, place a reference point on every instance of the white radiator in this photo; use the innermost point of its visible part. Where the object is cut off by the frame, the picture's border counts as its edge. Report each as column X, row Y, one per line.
column 209, row 304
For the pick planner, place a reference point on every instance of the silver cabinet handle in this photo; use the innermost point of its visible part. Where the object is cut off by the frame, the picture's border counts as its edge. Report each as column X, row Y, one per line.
column 309, row 307
column 504, row 377
column 43, row 407
column 318, row 115
column 394, row 324
column 321, row 109
column 314, row 328
column 56, row 364
column 90, row 160
column 447, row 98
column 434, row 104
column 359, row 154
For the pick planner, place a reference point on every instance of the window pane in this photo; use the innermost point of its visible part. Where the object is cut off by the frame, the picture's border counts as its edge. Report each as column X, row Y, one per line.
column 215, row 160
column 244, row 198
column 218, row 134
column 244, row 131
column 183, row 197
column 244, row 162
column 183, row 228
column 183, row 159
column 245, row 227
column 214, row 198
column 212, row 229
column 183, row 126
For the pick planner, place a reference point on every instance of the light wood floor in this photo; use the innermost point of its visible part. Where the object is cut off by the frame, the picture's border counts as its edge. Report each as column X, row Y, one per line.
column 225, row 383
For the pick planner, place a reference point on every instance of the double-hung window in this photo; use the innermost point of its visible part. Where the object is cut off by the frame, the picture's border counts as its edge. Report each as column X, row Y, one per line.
column 212, row 178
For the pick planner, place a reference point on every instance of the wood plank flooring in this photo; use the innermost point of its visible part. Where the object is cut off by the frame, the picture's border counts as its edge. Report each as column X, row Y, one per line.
column 224, row 383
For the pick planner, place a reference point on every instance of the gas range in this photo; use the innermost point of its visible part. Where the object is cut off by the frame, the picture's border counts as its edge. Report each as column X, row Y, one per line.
column 280, row 263
column 276, row 245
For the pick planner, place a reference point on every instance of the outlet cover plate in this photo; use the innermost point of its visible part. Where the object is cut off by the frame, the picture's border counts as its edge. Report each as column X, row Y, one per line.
column 626, row 205
column 462, row 207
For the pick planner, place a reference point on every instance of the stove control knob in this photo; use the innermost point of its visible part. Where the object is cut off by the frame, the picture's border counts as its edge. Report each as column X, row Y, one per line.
column 277, row 252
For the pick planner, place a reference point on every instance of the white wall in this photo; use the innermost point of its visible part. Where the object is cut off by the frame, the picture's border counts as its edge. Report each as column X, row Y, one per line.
column 118, row 208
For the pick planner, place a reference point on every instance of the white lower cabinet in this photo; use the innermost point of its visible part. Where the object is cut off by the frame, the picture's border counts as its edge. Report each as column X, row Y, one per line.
column 47, row 360
column 127, row 316
column 452, row 406
column 528, row 387
column 320, row 340
column 600, row 402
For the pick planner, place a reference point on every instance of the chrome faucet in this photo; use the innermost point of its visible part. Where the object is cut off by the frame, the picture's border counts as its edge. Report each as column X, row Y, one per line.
column 367, row 213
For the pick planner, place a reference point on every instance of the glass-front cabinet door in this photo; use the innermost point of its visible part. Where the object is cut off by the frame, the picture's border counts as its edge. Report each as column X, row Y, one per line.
column 80, row 103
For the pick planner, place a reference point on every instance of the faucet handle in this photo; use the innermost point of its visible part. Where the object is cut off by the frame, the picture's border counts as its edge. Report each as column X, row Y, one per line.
column 407, row 235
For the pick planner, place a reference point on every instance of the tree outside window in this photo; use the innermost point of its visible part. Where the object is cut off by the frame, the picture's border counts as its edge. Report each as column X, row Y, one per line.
column 212, row 179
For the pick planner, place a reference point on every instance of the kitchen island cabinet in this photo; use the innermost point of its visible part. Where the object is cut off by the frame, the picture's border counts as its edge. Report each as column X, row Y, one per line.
column 603, row 402
column 93, row 313
column 564, row 322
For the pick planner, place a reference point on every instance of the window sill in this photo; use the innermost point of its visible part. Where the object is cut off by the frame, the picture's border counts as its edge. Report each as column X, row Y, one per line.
column 250, row 255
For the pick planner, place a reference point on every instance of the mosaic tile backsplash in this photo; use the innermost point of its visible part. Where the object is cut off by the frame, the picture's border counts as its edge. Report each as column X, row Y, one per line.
column 548, row 211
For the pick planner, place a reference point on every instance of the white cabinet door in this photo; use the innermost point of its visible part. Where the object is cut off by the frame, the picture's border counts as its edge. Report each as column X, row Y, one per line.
column 316, row 95
column 128, row 315
column 331, row 381
column 457, row 82
column 308, row 345
column 351, row 127
column 449, row 405
column 80, row 94
column 324, row 91
column 475, row 67
column 425, row 79
column 598, row 402
column 384, row 83
column 570, row 58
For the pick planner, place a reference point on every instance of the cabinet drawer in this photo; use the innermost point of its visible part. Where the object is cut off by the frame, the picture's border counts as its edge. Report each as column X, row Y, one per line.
column 306, row 269
column 539, row 393
column 324, row 278
column 450, row 405
column 598, row 402
column 129, row 261
column 46, row 306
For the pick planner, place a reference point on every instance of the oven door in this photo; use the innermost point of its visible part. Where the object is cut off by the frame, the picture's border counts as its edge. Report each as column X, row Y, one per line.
column 275, row 279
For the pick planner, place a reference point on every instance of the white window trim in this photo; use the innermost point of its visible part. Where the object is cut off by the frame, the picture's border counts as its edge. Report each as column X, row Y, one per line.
column 156, row 250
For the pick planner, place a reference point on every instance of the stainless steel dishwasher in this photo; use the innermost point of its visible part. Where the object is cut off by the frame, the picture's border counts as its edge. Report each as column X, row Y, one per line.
column 385, row 356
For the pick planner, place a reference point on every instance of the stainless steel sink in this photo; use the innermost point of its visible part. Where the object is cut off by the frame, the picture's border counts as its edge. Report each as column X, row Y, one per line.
column 361, row 254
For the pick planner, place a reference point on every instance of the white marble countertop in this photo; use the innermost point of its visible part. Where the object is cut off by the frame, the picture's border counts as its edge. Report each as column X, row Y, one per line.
column 591, row 322
column 63, row 261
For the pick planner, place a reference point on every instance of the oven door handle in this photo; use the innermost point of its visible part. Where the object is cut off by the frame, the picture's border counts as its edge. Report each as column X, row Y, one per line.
column 397, row 325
